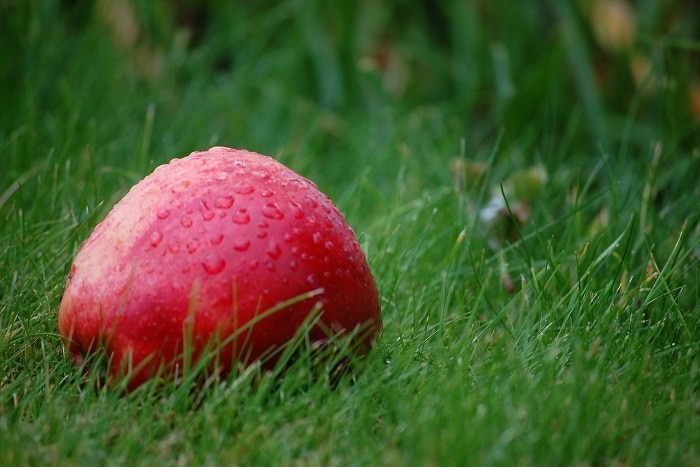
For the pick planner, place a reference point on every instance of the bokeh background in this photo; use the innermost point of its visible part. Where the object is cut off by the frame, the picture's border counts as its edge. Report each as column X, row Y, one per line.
column 230, row 72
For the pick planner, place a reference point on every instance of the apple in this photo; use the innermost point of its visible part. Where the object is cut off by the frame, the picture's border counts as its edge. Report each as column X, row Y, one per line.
column 224, row 251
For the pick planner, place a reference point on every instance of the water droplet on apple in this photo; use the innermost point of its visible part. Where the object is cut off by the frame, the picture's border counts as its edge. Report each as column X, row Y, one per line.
column 266, row 193
column 241, row 245
column 213, row 264
column 293, row 265
column 329, row 245
column 174, row 246
column 221, row 176
column 317, row 237
column 207, row 214
column 272, row 211
column 244, row 189
column 261, row 234
column 155, row 239
column 311, row 279
column 274, row 251
column 192, row 245
column 253, row 265
column 216, row 239
column 262, row 175
column 241, row 217
column 299, row 184
column 272, row 166
column 181, row 186
column 297, row 211
column 224, row 202
column 312, row 202
column 163, row 214
column 186, row 222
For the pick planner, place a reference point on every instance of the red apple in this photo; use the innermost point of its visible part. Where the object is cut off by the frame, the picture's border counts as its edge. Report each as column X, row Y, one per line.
column 223, row 246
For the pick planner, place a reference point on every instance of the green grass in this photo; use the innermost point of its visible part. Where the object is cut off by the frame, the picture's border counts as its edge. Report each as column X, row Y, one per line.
column 571, row 338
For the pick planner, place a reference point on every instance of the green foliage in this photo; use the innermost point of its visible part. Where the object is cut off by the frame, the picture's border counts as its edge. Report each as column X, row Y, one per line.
column 524, row 185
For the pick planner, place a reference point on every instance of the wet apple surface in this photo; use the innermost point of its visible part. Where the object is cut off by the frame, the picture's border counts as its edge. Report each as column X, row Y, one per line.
column 222, row 246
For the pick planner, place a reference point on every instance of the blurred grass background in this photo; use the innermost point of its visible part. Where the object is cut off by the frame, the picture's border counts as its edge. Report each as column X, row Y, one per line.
column 522, row 176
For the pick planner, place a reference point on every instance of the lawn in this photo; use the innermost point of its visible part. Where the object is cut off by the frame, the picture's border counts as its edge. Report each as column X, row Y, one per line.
column 522, row 178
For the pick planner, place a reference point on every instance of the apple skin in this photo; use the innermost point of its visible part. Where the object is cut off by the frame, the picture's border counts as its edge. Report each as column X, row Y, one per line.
column 200, row 249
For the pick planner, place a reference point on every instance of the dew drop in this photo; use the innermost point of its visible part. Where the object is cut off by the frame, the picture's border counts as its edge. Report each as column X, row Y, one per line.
column 272, row 211
column 297, row 211
column 270, row 267
column 224, row 202
column 155, row 238
column 261, row 234
column 262, row 175
column 253, row 265
column 316, row 237
column 244, row 189
column 272, row 166
column 241, row 245
column 295, row 250
column 329, row 245
column 213, row 264
column 221, row 176
column 192, row 245
column 186, row 222
column 177, row 203
column 293, row 265
column 216, row 239
column 174, row 247
column 311, row 279
column 181, row 186
column 163, row 214
column 274, row 251
column 207, row 214
column 312, row 202
column 266, row 193
column 299, row 184
column 241, row 217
